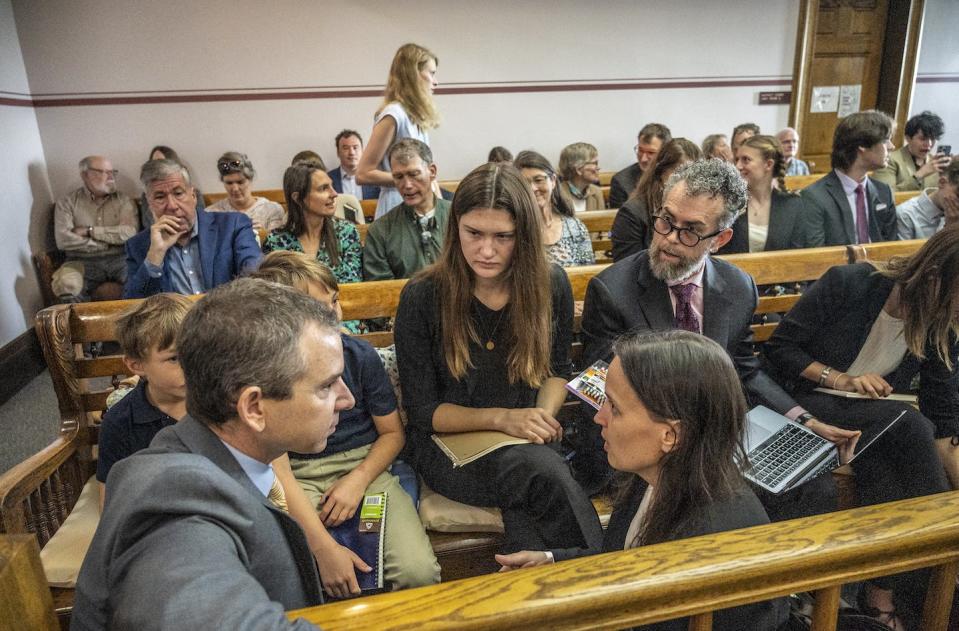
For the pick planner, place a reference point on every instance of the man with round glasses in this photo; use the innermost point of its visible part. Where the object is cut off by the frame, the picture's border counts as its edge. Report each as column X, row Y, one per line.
column 91, row 225
column 676, row 284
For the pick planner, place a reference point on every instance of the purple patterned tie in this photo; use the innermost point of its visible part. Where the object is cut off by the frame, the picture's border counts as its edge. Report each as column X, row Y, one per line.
column 862, row 222
column 685, row 317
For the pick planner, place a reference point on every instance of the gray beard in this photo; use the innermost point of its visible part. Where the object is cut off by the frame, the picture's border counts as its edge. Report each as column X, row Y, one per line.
column 670, row 273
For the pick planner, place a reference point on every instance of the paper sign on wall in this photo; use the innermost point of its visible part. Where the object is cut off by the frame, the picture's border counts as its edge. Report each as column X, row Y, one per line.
column 849, row 99
column 825, row 99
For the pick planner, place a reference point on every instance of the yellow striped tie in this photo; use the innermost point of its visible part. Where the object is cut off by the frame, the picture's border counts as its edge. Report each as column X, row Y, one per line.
column 276, row 495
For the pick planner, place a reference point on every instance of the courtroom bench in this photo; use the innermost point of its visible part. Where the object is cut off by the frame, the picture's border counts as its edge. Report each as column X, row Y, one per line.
column 37, row 495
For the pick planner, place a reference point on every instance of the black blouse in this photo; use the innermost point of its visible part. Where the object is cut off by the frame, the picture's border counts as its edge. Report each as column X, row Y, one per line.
column 426, row 381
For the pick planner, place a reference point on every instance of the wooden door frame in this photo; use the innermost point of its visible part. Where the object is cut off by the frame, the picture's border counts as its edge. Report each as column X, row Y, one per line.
column 897, row 82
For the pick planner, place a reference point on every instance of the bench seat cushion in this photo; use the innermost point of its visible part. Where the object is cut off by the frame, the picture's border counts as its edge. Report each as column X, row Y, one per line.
column 63, row 554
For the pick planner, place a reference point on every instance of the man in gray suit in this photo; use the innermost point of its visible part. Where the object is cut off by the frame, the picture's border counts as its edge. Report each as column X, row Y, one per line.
column 846, row 206
column 191, row 536
column 677, row 284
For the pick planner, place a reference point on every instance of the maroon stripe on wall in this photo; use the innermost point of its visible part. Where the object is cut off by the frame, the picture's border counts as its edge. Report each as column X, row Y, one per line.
column 16, row 102
column 142, row 99
column 938, row 79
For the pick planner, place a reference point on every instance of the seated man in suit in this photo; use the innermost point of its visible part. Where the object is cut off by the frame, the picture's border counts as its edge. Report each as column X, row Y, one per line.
column 914, row 166
column 186, row 250
column 649, row 141
column 846, row 206
column 410, row 236
column 349, row 148
column 676, row 284
column 194, row 534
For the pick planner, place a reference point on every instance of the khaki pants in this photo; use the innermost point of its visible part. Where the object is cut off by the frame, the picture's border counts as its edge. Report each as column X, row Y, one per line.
column 77, row 277
column 408, row 559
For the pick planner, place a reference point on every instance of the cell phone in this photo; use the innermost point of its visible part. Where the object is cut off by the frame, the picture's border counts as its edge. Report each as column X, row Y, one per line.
column 945, row 150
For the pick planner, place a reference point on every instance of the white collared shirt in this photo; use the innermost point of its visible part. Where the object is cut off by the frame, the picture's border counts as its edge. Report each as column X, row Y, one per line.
column 919, row 218
column 349, row 185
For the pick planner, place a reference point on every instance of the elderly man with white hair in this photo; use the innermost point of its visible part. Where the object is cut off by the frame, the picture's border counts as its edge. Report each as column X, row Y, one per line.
column 91, row 224
column 789, row 139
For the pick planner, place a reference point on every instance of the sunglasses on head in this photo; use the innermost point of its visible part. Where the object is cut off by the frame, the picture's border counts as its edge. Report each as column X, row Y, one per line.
column 229, row 166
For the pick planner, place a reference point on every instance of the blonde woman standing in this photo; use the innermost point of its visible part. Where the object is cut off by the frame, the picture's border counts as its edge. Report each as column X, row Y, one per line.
column 408, row 111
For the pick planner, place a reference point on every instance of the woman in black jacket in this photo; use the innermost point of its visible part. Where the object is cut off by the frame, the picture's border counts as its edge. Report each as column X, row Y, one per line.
column 673, row 421
column 870, row 329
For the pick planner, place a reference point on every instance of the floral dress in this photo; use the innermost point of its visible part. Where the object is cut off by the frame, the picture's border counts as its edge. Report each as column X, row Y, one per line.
column 573, row 247
column 348, row 270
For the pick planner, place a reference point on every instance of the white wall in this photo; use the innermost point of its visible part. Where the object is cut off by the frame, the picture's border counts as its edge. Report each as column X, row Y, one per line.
column 937, row 81
column 101, row 48
column 25, row 198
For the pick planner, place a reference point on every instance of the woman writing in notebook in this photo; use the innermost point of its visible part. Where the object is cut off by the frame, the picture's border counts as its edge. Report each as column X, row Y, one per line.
column 870, row 329
column 482, row 343
column 673, row 422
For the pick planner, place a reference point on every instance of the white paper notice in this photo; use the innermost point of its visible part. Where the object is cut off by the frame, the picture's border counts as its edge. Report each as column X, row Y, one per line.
column 825, row 98
column 849, row 99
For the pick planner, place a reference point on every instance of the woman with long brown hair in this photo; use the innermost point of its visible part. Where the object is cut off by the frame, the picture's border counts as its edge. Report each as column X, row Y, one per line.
column 632, row 228
column 482, row 343
column 773, row 217
column 407, row 111
column 673, row 423
column 870, row 329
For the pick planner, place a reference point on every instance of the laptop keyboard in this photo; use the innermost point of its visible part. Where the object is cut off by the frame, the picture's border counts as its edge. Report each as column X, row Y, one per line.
column 777, row 457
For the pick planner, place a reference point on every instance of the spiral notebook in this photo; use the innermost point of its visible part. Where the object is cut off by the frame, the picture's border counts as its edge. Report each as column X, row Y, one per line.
column 363, row 534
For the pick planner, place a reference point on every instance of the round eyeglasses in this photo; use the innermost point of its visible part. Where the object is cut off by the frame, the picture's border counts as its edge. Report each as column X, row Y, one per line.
column 686, row 236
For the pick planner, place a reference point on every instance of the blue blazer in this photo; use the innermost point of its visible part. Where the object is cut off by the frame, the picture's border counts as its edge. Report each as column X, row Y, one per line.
column 227, row 249
column 369, row 192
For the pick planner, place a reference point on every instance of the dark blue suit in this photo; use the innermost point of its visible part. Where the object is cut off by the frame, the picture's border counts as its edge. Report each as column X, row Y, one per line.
column 369, row 192
column 227, row 249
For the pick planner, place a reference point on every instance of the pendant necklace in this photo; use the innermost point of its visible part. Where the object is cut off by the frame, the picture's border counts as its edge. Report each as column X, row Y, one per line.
column 489, row 338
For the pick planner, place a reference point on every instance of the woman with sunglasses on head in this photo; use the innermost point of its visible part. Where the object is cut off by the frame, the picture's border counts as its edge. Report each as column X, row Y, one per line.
column 482, row 343
column 632, row 231
column 237, row 173
column 579, row 170
column 566, row 238
column 161, row 152
column 312, row 228
column 407, row 111
column 773, row 217
column 673, row 423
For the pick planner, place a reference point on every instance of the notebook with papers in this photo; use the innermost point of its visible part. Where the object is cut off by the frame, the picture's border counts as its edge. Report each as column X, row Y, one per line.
column 783, row 454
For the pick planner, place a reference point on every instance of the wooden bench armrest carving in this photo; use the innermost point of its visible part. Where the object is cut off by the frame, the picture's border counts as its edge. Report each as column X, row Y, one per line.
column 691, row 577
column 26, row 602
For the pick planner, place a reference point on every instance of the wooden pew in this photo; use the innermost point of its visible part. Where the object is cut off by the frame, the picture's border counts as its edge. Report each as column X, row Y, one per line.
column 25, row 601
column 599, row 223
column 691, row 577
column 37, row 495
column 882, row 251
column 796, row 182
column 904, row 196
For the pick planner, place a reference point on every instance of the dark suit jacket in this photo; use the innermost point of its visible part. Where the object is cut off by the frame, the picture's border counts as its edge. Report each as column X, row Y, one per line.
column 623, row 184
column 830, row 324
column 829, row 219
column 369, row 191
column 785, row 226
column 741, row 510
column 227, row 249
column 187, row 541
column 627, row 297
column 632, row 229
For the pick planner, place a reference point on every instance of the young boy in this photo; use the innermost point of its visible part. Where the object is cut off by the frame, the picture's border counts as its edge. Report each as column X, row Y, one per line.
column 147, row 335
column 358, row 454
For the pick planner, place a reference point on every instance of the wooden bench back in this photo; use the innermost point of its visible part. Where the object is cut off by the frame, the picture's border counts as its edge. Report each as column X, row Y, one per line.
column 691, row 577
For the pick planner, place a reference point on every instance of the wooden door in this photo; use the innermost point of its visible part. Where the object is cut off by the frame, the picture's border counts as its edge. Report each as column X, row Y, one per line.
column 840, row 44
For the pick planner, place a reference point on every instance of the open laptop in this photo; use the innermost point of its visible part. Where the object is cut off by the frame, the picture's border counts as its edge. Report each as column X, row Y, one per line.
column 783, row 454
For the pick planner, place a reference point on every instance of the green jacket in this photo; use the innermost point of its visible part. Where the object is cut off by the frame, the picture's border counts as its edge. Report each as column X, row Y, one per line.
column 394, row 243
column 900, row 173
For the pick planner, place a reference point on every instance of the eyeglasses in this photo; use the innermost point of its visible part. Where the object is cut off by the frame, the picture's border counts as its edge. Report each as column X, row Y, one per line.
column 229, row 166
column 112, row 172
column 687, row 236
